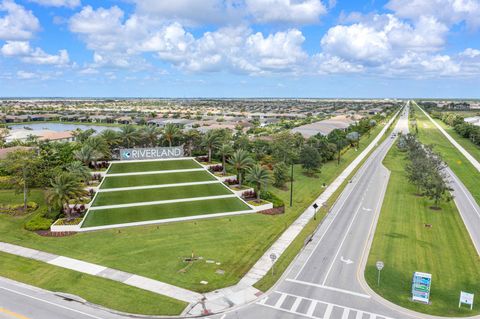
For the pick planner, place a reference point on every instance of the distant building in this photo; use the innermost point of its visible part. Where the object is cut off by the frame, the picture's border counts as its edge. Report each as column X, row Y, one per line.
column 324, row 127
column 475, row 120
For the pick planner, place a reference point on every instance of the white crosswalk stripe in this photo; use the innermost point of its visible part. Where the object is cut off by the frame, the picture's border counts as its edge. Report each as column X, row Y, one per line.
column 314, row 309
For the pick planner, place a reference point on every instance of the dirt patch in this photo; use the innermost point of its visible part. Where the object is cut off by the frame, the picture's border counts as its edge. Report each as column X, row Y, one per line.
column 47, row 233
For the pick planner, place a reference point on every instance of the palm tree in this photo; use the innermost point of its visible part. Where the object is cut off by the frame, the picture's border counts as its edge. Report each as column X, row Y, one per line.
column 240, row 160
column 258, row 176
column 211, row 140
column 170, row 132
column 65, row 187
column 99, row 144
column 129, row 136
column 150, row 135
column 225, row 150
column 79, row 170
column 111, row 138
column 87, row 155
column 190, row 138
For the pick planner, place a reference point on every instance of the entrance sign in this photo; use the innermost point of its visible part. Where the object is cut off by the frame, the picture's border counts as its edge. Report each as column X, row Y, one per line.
column 151, row 153
column 466, row 298
column 421, row 286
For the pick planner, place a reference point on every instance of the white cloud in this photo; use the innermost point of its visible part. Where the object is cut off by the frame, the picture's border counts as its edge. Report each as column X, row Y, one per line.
column 90, row 21
column 470, row 53
column 18, row 23
column 58, row 3
column 446, row 11
column 27, row 54
column 24, row 75
column 289, row 11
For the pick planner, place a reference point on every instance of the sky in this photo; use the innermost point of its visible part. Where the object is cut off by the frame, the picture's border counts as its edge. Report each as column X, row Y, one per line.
column 240, row 48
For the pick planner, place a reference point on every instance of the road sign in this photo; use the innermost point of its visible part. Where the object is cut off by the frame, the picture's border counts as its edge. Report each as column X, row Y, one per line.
column 380, row 265
column 421, row 286
column 315, row 206
column 273, row 257
column 466, row 298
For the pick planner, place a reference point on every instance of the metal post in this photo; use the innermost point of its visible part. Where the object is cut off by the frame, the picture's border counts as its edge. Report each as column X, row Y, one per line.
column 379, row 277
column 291, row 186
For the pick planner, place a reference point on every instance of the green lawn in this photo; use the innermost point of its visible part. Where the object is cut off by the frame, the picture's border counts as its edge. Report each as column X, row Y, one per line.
column 156, row 179
column 163, row 193
column 405, row 245
column 235, row 242
column 466, row 143
column 117, row 168
column 163, row 211
column 104, row 292
column 429, row 134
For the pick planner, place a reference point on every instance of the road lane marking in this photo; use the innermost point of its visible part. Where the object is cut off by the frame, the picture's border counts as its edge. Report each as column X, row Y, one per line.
column 345, row 313
column 50, row 303
column 347, row 261
column 328, row 288
column 311, row 308
column 296, row 303
column 12, row 314
column 367, row 209
column 280, row 301
column 328, row 312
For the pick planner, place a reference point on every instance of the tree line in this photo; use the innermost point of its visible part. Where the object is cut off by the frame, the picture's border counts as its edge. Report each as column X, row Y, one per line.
column 464, row 129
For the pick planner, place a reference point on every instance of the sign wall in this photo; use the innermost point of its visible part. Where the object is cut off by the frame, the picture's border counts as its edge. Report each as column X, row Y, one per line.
column 150, row 153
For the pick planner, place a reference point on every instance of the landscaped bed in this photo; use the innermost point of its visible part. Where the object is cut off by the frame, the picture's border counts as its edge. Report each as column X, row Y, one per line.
column 156, row 179
column 163, row 211
column 119, row 168
column 157, row 194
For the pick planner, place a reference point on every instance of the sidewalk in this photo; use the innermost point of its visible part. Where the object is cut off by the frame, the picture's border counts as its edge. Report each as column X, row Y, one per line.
column 104, row 272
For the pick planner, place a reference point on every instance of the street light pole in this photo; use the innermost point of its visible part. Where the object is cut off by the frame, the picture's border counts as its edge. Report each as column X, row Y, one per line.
column 291, row 185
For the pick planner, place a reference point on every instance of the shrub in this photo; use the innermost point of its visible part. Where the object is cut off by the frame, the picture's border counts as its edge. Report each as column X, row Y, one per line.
column 38, row 222
column 274, row 199
column 215, row 168
column 202, row 158
column 231, row 181
column 249, row 194
column 6, row 182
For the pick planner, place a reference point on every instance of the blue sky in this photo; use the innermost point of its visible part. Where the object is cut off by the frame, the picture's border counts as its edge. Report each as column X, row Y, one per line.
column 240, row 48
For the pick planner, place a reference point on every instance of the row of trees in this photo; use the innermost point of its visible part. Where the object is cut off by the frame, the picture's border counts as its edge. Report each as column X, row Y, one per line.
column 425, row 170
column 464, row 129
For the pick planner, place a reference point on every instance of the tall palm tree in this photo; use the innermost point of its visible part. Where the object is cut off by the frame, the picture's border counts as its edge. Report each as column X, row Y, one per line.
column 129, row 136
column 190, row 138
column 79, row 170
column 258, row 176
column 150, row 134
column 211, row 141
column 87, row 155
column 65, row 187
column 240, row 160
column 225, row 150
column 170, row 132
column 99, row 144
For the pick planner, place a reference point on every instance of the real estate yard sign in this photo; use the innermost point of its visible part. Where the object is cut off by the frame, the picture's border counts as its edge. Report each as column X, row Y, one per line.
column 421, row 286
column 151, row 153
column 466, row 298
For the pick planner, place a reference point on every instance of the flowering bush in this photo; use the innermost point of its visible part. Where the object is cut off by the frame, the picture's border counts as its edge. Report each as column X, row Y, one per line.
column 202, row 158
column 215, row 168
column 231, row 181
column 249, row 194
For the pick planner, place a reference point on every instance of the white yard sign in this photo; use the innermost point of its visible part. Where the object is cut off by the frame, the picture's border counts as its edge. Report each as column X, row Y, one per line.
column 466, row 298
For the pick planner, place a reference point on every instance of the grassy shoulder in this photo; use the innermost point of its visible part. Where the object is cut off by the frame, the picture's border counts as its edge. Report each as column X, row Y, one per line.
column 103, row 292
column 428, row 133
column 236, row 242
column 405, row 245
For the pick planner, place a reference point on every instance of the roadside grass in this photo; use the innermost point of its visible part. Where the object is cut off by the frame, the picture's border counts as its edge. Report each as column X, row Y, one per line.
column 118, row 168
column 157, row 194
column 405, row 245
column 163, row 211
column 467, row 144
column 157, row 251
column 156, row 179
column 103, row 292
column 465, row 171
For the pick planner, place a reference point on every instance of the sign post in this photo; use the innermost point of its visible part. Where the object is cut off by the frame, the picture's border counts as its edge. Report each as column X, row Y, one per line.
column 380, row 266
column 421, row 286
column 466, row 298
column 273, row 257
column 315, row 206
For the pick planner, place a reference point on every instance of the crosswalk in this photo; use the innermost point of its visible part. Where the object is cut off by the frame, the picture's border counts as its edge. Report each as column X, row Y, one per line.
column 315, row 309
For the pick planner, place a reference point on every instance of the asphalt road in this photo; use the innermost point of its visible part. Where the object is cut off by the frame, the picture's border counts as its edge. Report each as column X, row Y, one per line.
column 326, row 279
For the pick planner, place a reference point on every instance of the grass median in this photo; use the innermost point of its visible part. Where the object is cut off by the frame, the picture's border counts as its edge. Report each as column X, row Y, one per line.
column 412, row 237
column 103, row 292
column 156, row 179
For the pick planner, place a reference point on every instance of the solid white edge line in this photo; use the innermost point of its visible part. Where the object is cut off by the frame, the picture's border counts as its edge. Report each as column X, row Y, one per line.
column 306, row 283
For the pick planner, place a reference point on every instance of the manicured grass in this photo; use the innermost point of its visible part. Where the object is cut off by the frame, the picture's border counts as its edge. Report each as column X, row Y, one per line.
column 117, row 168
column 104, row 292
column 405, row 245
column 156, row 179
column 466, row 143
column 156, row 194
column 429, row 134
column 236, row 242
column 163, row 211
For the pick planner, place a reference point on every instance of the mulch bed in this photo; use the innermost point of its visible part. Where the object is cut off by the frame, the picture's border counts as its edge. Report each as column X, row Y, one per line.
column 47, row 233
column 273, row 211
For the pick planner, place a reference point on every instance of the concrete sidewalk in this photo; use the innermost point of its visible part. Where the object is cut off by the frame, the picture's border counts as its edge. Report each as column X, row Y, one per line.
column 104, row 272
